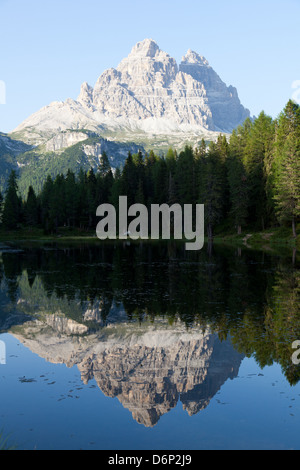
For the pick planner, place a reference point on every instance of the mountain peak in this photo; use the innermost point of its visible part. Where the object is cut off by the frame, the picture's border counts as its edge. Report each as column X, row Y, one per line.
column 145, row 48
column 192, row 57
column 149, row 93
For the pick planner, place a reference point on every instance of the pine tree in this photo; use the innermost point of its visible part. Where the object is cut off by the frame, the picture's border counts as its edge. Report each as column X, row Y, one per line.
column 140, row 197
column 185, row 177
column 116, row 189
column 171, row 161
column 91, row 197
column 45, row 201
column 150, row 162
column 31, row 208
column 71, row 199
column 83, row 218
column 1, row 207
column 57, row 206
column 287, row 166
column 128, row 180
column 138, row 161
column 12, row 205
column 160, row 180
column 238, row 192
column 211, row 189
column 257, row 148
column 104, row 166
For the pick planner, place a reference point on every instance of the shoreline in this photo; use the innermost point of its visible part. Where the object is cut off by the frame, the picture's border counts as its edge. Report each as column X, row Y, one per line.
column 270, row 240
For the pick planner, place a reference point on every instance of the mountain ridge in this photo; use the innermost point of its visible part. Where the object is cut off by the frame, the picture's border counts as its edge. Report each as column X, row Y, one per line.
column 148, row 102
column 148, row 93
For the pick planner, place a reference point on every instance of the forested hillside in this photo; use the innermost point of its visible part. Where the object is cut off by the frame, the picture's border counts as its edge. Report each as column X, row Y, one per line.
column 251, row 181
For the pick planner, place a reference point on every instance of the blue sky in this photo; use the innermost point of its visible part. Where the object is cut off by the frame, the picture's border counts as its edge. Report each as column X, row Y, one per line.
column 48, row 48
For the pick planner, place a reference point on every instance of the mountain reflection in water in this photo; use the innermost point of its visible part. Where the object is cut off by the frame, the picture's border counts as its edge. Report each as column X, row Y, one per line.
column 152, row 324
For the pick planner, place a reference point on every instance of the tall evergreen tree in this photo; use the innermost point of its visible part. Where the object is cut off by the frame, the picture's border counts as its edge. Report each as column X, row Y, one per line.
column 116, row 189
column 185, row 177
column 12, row 205
column 256, row 152
column 45, row 201
column 31, row 209
column 71, row 199
column 287, row 166
column 211, row 188
column 128, row 180
column 150, row 162
column 57, row 206
column 238, row 192
column 83, row 217
column 104, row 166
column 160, row 179
column 1, row 207
column 91, row 197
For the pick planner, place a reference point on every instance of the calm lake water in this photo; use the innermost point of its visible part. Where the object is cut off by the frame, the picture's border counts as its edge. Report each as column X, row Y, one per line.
column 146, row 346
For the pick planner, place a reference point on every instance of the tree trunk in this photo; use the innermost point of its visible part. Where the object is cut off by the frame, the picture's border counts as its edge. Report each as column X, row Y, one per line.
column 294, row 228
column 209, row 247
column 239, row 229
column 209, row 232
column 294, row 256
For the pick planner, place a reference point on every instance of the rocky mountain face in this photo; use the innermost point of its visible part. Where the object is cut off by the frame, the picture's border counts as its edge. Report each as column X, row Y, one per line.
column 147, row 102
column 148, row 87
column 147, row 93
column 223, row 102
column 149, row 381
column 149, row 365
column 149, row 368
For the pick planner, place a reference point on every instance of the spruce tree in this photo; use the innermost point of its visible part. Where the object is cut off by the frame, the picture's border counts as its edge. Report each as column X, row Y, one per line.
column 104, row 167
column 185, row 176
column 257, row 148
column 1, row 207
column 238, row 192
column 160, row 179
column 211, row 189
column 91, row 197
column 45, row 201
column 287, row 166
column 57, row 206
column 128, row 180
column 115, row 192
column 12, row 205
column 31, row 208
column 71, row 199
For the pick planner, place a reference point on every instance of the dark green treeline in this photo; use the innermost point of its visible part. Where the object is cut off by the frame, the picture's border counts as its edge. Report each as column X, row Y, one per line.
column 250, row 181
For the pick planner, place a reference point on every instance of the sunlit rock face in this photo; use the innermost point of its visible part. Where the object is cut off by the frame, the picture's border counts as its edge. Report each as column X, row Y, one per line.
column 223, row 102
column 146, row 92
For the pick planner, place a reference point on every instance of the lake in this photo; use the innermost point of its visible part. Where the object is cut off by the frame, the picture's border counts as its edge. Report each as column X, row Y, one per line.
column 146, row 346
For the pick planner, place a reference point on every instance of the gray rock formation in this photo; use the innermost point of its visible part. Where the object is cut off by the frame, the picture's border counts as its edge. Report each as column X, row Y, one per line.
column 226, row 109
column 149, row 381
column 64, row 139
column 147, row 93
column 149, row 368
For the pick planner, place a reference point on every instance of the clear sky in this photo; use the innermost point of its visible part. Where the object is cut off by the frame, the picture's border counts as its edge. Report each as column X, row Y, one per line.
column 49, row 47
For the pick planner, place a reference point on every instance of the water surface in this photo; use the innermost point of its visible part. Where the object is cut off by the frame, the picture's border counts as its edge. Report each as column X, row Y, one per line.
column 146, row 346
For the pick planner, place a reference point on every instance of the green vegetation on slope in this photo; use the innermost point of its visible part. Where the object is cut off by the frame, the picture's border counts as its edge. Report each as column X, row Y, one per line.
column 248, row 184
